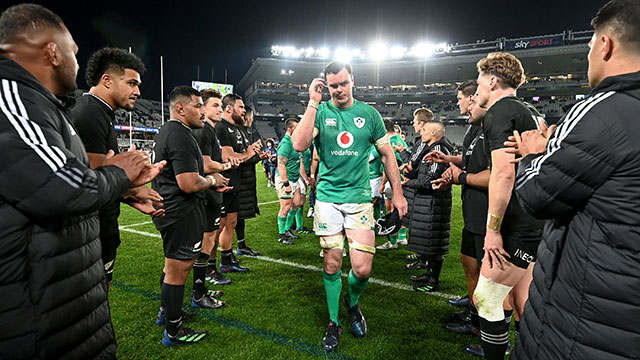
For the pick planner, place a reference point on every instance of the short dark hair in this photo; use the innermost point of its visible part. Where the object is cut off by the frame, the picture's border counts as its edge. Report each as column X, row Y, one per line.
column 230, row 99
column 26, row 17
column 210, row 93
column 336, row 66
column 623, row 16
column 468, row 87
column 247, row 109
column 111, row 59
column 180, row 92
column 288, row 124
column 389, row 125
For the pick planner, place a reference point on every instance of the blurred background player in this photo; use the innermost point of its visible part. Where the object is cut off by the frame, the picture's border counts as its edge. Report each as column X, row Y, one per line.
column 213, row 165
column 247, row 196
column 287, row 184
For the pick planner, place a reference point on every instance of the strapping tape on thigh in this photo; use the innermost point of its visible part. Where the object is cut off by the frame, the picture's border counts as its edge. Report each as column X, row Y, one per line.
column 332, row 242
column 359, row 246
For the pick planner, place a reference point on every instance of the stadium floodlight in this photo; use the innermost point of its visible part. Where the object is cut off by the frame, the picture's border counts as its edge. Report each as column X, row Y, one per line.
column 422, row 50
column 398, row 52
column 378, row 51
column 283, row 71
column 308, row 52
column 342, row 54
column 323, row 52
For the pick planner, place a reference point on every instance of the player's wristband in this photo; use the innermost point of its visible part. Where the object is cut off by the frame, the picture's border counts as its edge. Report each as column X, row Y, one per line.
column 226, row 166
column 285, row 183
column 462, row 178
column 494, row 222
column 213, row 180
column 313, row 104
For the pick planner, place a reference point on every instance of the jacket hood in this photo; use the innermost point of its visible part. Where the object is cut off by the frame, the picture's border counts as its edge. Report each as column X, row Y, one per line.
column 445, row 142
column 10, row 70
column 619, row 83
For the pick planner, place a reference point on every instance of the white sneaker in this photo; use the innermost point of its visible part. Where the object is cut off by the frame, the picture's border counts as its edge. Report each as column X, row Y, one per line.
column 268, row 185
column 387, row 246
column 310, row 212
column 403, row 242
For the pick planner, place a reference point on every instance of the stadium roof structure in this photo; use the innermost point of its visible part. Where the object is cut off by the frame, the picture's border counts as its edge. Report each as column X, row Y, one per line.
column 556, row 54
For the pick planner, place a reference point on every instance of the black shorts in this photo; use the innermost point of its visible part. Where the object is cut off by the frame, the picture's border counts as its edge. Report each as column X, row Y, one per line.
column 109, row 240
column 472, row 245
column 230, row 202
column 212, row 213
column 182, row 240
column 522, row 247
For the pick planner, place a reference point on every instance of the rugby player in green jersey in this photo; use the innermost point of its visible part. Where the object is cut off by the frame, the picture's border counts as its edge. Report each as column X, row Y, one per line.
column 287, row 176
column 343, row 131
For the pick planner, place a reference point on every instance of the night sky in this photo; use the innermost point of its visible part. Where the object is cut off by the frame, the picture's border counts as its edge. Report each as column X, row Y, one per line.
column 219, row 35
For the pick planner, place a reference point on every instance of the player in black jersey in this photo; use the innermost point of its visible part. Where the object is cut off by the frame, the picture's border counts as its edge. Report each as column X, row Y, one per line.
column 213, row 164
column 512, row 236
column 114, row 77
column 182, row 185
column 233, row 146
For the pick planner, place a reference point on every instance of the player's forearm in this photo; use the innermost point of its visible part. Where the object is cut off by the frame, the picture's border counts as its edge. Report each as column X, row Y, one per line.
column 479, row 180
column 212, row 166
column 391, row 168
column 228, row 154
column 456, row 160
column 282, row 170
column 303, row 134
column 501, row 183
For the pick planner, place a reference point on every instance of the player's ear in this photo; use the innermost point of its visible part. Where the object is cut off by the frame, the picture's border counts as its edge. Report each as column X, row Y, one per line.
column 105, row 79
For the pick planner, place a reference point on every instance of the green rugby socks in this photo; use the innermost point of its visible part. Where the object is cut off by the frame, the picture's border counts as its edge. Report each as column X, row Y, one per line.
column 332, row 288
column 356, row 287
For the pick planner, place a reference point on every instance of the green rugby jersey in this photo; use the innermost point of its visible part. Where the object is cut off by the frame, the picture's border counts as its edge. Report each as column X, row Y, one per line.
column 397, row 140
column 375, row 164
column 343, row 143
column 285, row 149
column 306, row 161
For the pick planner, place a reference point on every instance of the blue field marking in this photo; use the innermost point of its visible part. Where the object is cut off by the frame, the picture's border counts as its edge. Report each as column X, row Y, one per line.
column 295, row 344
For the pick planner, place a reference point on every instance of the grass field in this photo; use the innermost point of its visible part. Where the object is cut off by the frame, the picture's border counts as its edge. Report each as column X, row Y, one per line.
column 278, row 309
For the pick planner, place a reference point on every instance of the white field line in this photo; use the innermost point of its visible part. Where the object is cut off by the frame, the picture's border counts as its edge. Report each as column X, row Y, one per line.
column 122, row 227
column 306, row 267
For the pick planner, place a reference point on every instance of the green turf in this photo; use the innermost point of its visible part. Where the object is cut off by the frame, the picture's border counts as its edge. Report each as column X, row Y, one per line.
column 278, row 311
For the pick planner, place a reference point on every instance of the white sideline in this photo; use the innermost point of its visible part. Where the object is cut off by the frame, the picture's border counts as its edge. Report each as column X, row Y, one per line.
column 301, row 266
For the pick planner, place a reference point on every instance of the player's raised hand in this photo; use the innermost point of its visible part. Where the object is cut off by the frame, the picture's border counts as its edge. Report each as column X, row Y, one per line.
column 315, row 89
column 436, row 157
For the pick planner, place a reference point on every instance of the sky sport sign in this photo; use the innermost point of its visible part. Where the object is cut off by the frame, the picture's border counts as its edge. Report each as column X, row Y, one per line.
column 534, row 42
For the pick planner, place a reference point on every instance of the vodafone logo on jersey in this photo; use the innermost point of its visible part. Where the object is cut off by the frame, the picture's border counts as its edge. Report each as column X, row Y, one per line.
column 344, row 139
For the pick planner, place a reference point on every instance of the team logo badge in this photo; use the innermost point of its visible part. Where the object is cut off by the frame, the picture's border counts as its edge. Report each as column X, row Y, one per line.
column 330, row 121
column 359, row 121
column 345, row 139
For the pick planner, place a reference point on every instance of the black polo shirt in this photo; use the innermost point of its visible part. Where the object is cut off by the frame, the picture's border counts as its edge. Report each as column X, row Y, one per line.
column 93, row 119
column 505, row 116
column 230, row 135
column 176, row 144
column 475, row 201
column 209, row 146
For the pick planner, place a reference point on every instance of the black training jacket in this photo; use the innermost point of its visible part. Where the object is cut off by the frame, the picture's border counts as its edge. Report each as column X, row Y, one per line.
column 584, row 301
column 53, row 297
column 247, row 196
column 429, row 214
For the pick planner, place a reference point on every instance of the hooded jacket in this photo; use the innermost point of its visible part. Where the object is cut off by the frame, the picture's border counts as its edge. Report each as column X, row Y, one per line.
column 584, row 301
column 53, row 297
